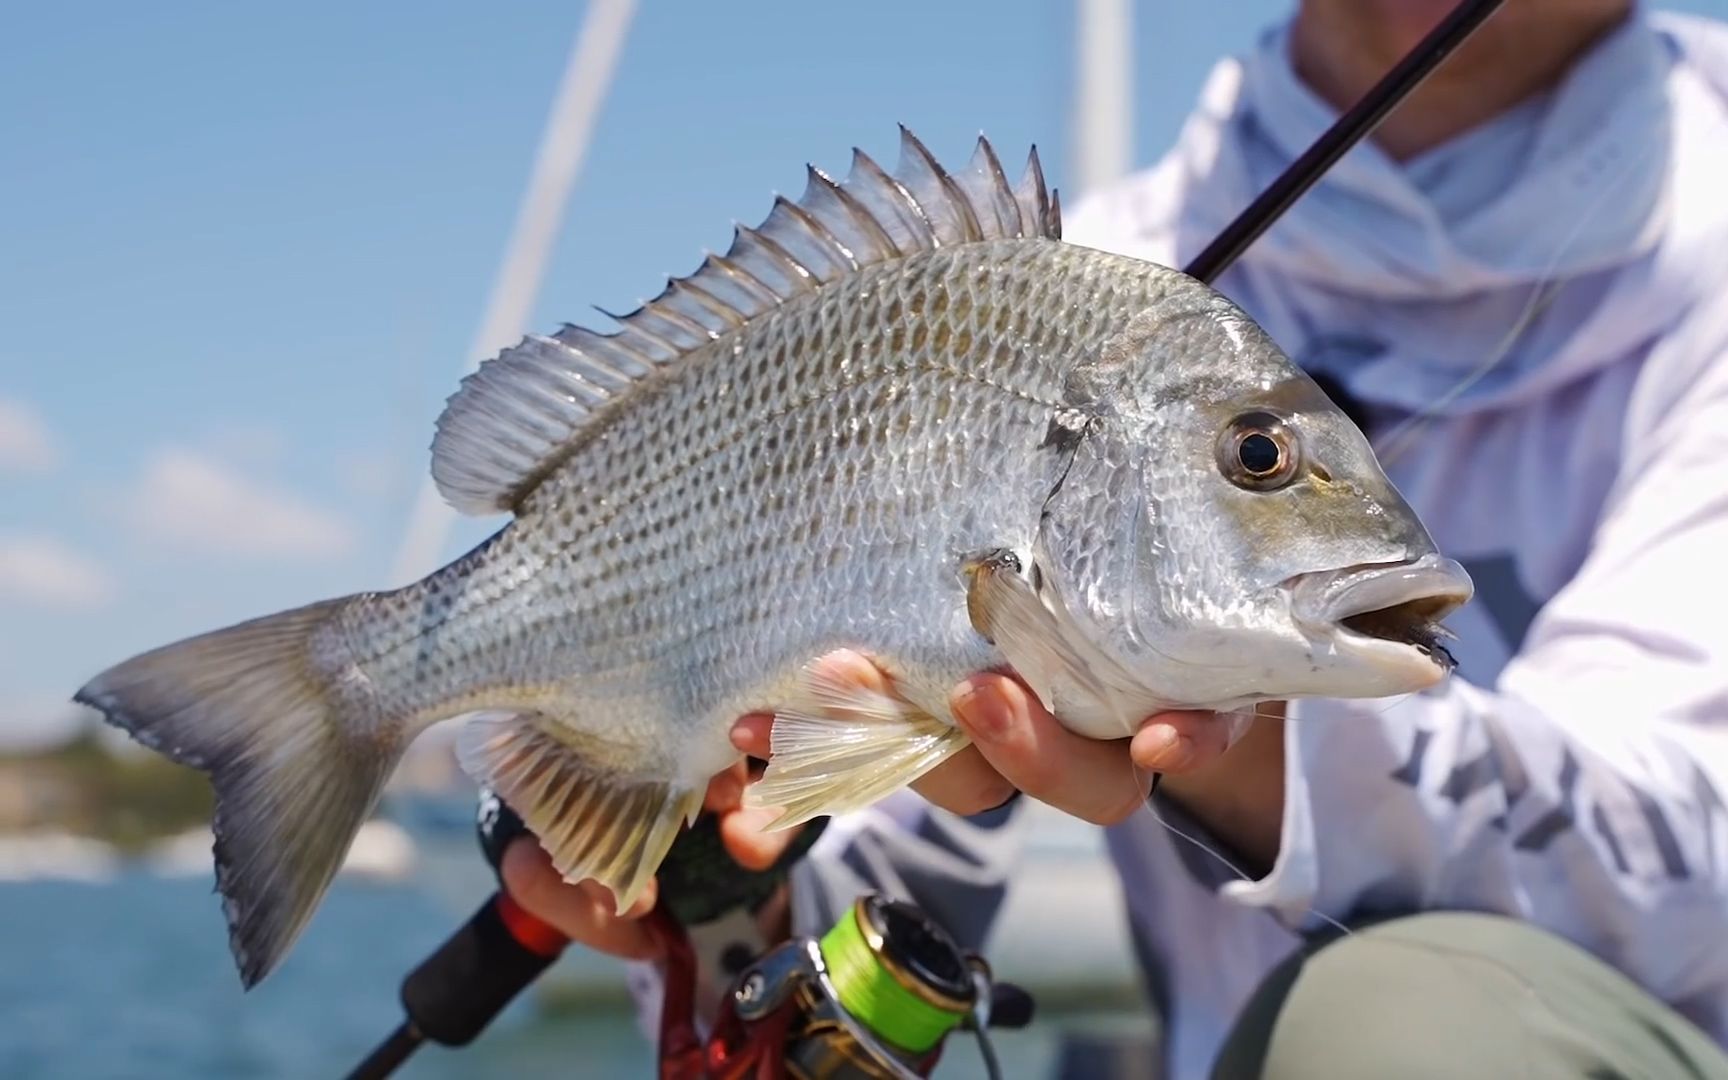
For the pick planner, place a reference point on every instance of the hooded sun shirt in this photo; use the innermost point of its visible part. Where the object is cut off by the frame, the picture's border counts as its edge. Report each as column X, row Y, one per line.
column 1534, row 318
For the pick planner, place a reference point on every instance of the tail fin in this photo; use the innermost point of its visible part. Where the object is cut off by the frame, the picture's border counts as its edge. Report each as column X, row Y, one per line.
column 294, row 776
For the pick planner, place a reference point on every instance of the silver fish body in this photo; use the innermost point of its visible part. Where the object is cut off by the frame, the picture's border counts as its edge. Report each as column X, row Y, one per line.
column 955, row 443
column 817, row 482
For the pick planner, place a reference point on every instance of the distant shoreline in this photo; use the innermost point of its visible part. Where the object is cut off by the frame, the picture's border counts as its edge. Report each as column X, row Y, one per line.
column 382, row 853
column 89, row 787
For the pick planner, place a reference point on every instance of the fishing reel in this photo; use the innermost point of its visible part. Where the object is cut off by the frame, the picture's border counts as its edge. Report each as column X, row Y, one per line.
column 874, row 998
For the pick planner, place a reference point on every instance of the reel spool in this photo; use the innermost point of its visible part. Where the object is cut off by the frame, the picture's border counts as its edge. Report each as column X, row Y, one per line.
column 874, row 998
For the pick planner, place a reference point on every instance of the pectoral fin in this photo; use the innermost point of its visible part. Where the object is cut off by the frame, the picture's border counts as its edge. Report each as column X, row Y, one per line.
column 843, row 744
column 595, row 825
column 1010, row 603
column 1005, row 606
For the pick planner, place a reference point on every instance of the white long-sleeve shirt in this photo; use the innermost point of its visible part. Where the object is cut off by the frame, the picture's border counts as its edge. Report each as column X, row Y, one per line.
column 1581, row 788
column 1575, row 771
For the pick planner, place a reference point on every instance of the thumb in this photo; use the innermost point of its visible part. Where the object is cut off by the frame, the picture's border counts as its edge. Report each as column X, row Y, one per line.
column 1176, row 742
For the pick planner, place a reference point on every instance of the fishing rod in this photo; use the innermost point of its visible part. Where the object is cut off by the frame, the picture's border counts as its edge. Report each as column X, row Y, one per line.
column 876, row 995
column 1348, row 130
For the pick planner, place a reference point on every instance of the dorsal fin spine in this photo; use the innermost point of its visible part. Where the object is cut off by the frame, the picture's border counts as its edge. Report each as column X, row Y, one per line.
column 671, row 314
column 743, row 278
column 635, row 327
column 1004, row 189
column 708, row 300
column 1033, row 196
column 817, row 229
column 876, row 173
column 950, row 190
column 797, row 271
column 860, row 215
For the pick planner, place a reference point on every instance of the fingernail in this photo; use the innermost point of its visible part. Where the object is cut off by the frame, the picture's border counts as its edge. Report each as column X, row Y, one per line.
column 983, row 709
column 1165, row 749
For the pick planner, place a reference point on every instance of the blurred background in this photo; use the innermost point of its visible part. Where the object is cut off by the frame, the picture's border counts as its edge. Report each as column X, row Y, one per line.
column 245, row 253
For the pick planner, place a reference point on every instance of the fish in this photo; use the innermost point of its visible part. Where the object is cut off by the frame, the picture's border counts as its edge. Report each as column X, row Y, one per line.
column 900, row 416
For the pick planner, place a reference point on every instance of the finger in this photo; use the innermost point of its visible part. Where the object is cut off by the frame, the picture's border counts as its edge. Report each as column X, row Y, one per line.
column 1177, row 742
column 965, row 784
column 726, row 790
column 583, row 912
column 1088, row 778
column 751, row 847
column 850, row 668
column 752, row 734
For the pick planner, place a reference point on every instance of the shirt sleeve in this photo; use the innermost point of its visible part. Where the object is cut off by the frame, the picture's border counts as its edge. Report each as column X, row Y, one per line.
column 1585, row 790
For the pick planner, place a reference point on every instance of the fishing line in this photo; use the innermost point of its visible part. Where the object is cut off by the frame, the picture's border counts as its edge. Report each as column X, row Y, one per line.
column 1151, row 788
column 1402, row 435
column 1342, row 929
column 1242, row 875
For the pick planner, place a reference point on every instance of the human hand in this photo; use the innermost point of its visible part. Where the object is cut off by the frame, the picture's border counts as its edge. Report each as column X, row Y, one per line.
column 585, row 911
column 1018, row 745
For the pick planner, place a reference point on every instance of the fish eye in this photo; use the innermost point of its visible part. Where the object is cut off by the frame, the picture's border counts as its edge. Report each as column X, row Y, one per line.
column 1258, row 451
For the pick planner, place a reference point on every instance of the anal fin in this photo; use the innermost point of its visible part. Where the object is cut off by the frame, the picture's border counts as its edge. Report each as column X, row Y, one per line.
column 594, row 824
column 842, row 745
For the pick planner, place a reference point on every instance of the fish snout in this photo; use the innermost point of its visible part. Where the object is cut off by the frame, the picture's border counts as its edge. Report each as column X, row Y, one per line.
column 1386, row 615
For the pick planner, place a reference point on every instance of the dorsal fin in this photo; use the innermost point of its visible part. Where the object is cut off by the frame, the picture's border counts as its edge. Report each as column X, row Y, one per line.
column 511, row 420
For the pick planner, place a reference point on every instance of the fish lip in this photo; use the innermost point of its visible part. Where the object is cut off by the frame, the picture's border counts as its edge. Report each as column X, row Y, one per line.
column 1371, row 607
column 1329, row 596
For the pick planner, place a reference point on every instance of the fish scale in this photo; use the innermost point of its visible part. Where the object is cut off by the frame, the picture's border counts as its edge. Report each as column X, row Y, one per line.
column 899, row 417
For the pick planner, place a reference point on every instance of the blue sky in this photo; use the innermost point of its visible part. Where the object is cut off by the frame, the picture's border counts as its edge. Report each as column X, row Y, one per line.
column 243, row 249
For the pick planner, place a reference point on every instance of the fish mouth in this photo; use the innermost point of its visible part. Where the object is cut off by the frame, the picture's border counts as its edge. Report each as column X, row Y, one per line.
column 1372, row 607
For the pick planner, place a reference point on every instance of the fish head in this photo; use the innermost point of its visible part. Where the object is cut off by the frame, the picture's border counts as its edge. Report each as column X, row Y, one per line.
column 1223, row 531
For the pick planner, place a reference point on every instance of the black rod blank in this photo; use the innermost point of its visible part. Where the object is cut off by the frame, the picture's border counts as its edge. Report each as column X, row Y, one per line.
column 1350, row 129
column 389, row 1055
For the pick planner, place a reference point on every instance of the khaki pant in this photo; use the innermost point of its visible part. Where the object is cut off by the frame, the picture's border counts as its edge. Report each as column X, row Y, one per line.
column 1449, row 994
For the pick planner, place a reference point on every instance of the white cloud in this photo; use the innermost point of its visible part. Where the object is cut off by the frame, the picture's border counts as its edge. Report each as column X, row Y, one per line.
column 43, row 571
column 193, row 501
column 25, row 444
